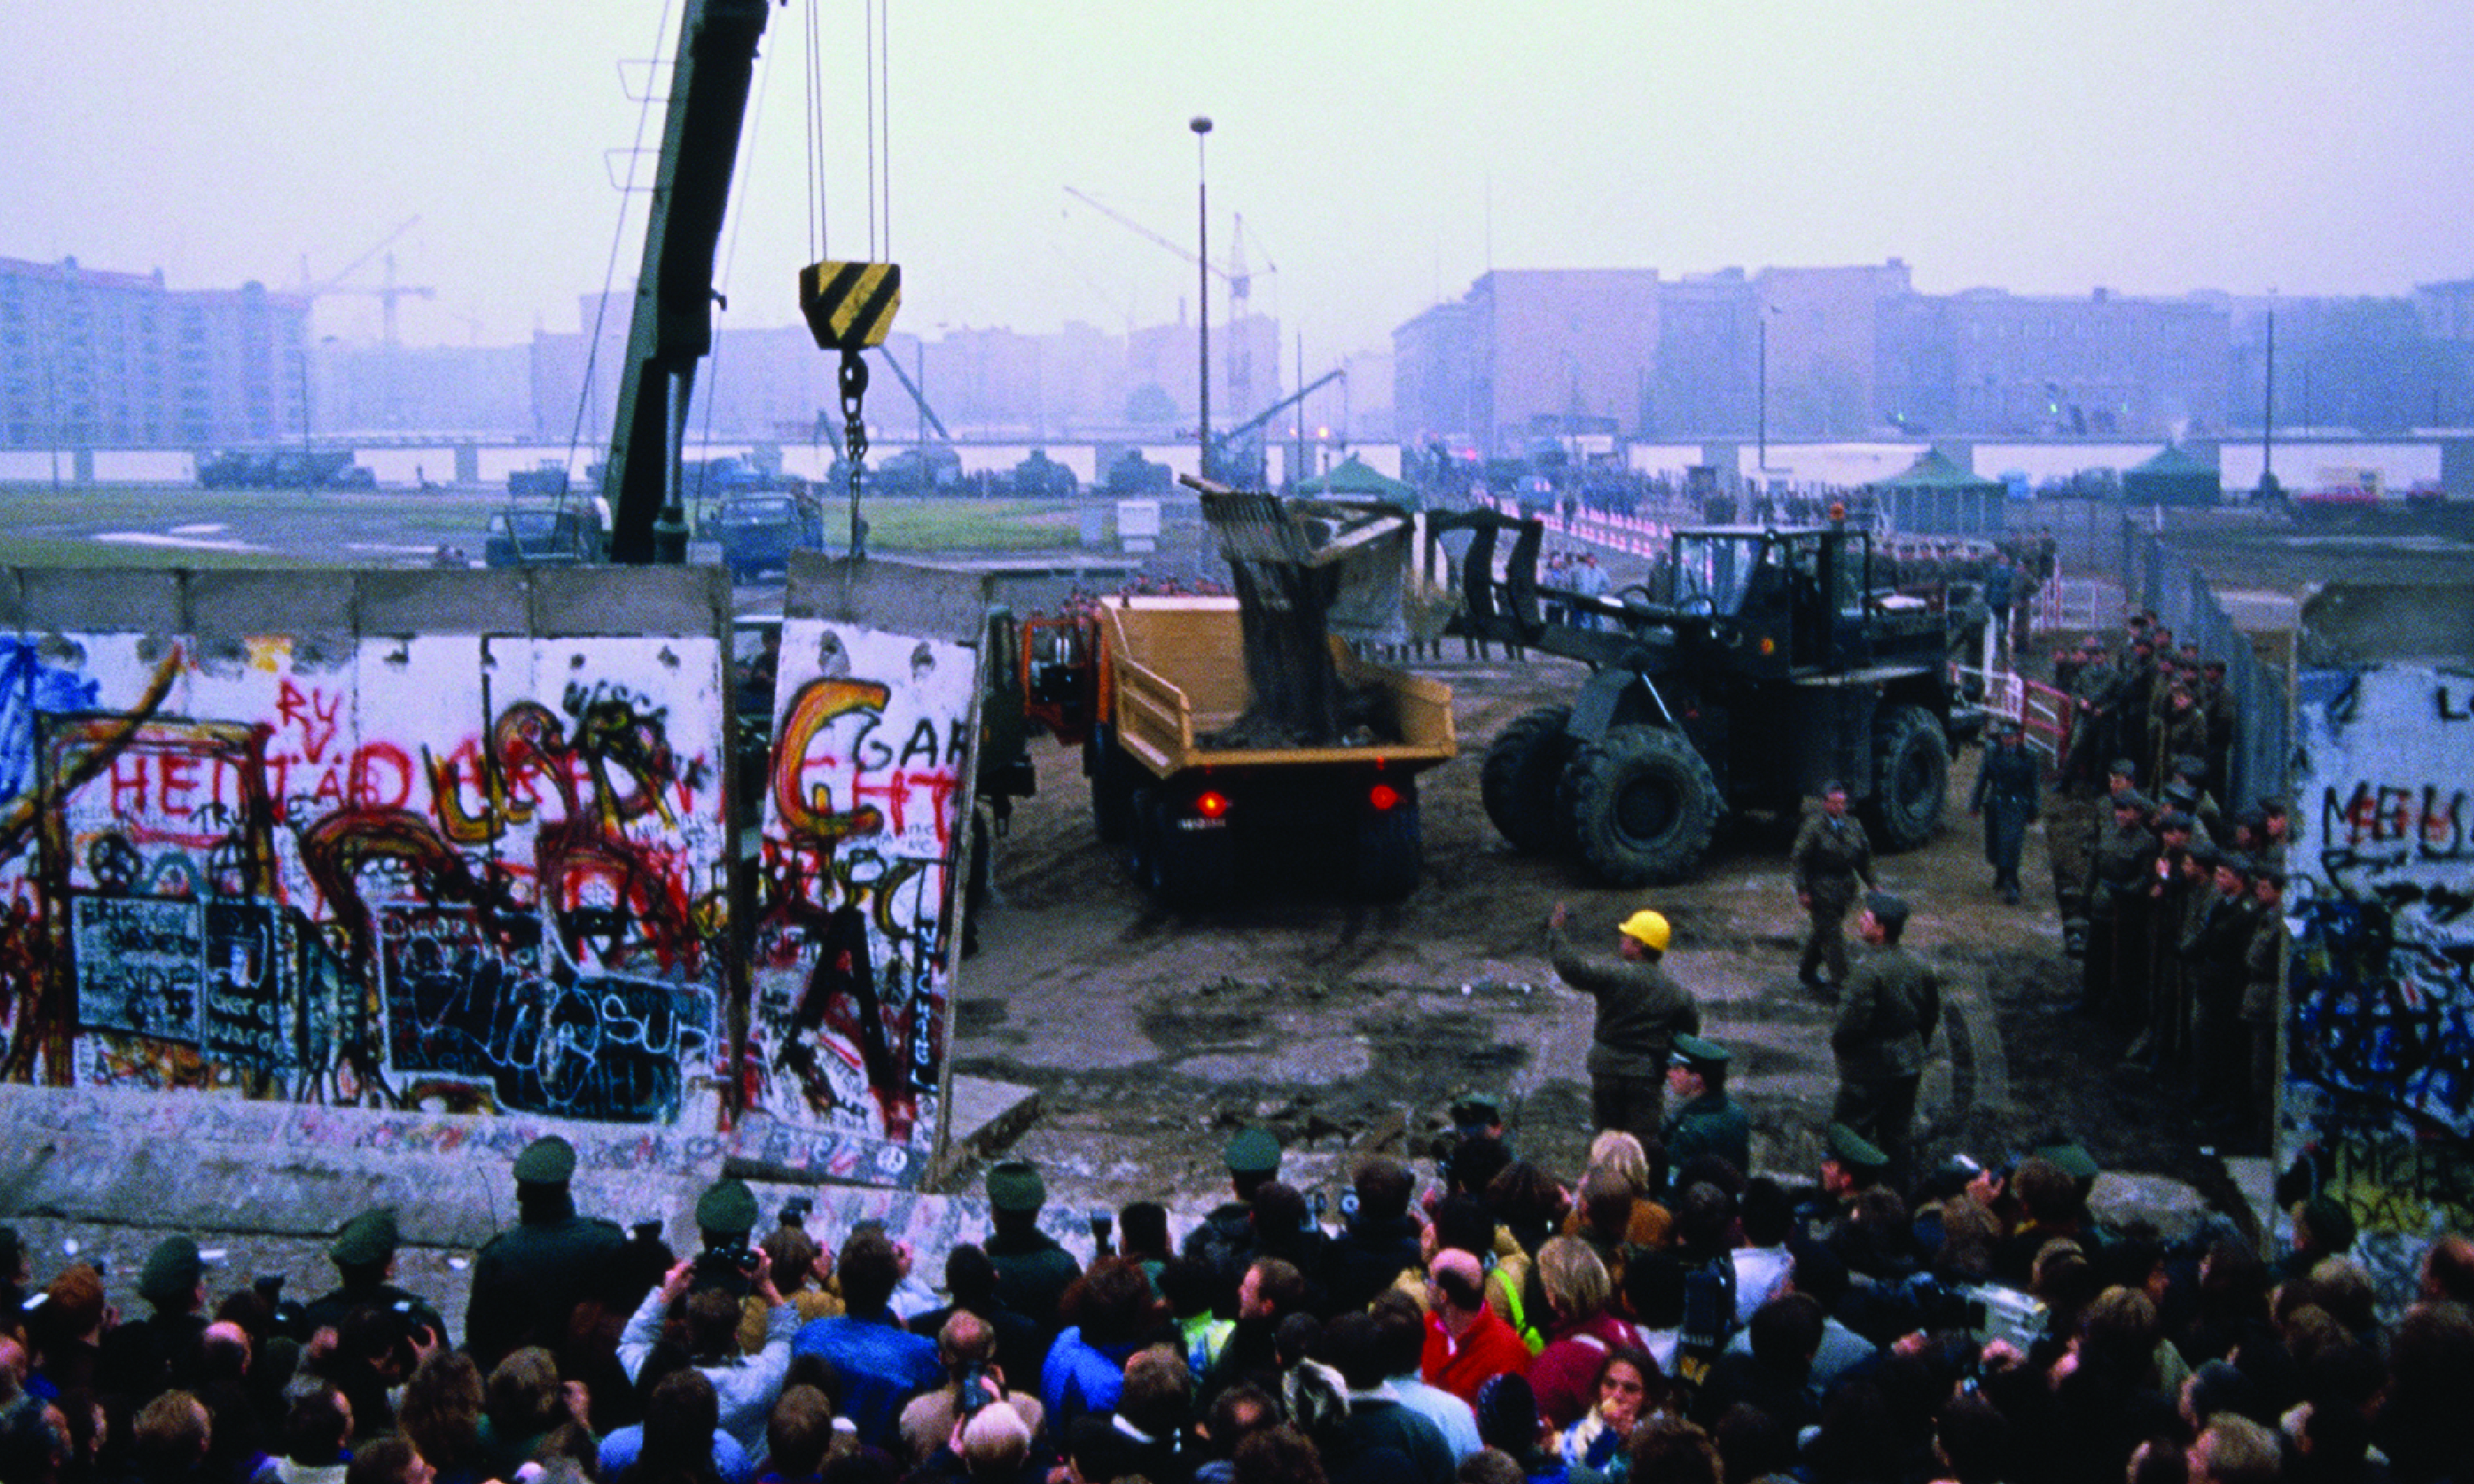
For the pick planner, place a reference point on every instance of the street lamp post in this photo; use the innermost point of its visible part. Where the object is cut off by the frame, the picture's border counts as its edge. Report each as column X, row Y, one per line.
column 1762, row 423
column 1200, row 124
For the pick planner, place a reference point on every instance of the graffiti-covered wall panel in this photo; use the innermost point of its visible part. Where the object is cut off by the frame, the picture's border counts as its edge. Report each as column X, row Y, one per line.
column 867, row 809
column 463, row 871
column 2381, row 1026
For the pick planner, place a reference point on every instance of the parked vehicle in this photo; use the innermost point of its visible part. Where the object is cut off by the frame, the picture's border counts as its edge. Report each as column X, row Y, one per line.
column 757, row 532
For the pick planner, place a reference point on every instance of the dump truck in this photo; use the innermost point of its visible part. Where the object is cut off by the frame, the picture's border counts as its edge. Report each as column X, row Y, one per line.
column 1155, row 690
column 1231, row 738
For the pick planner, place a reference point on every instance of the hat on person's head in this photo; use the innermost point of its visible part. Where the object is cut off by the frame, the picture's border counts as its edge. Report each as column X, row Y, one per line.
column 2175, row 819
column 172, row 1271
column 2123, row 766
column 2133, row 800
column 1015, row 1185
column 2221, row 1386
column 2070, row 1157
column 2330, row 1222
column 2195, row 769
column 1253, row 1152
column 2234, row 861
column 727, row 1207
column 2261, row 870
column 1694, row 1052
column 367, row 1240
column 1888, row 910
column 2204, row 851
column 2181, row 795
column 546, row 1161
column 1649, row 929
column 1829, row 786
column 1856, row 1154
column 1477, row 1111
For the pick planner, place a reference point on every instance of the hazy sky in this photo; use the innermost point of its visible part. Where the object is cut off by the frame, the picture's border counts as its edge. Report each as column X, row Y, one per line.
column 1382, row 152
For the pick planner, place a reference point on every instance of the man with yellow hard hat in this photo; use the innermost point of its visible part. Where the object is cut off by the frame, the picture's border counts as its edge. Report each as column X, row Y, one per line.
column 1641, row 1011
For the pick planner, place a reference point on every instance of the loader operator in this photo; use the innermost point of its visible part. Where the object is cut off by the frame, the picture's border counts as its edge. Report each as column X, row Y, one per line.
column 1641, row 1011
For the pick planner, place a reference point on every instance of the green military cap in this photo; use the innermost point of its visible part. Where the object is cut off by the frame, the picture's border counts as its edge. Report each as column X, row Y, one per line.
column 1852, row 1150
column 172, row 1271
column 726, row 1206
column 2234, row 861
column 2194, row 769
column 2181, row 795
column 2123, row 766
column 546, row 1161
column 1476, row 1110
column 367, row 1240
column 1693, row 1051
column 1253, row 1152
column 2133, row 799
column 2204, row 852
column 2071, row 1159
column 1015, row 1185
column 2175, row 819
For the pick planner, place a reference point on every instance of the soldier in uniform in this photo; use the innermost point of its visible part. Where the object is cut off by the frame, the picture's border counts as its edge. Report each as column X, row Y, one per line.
column 2006, row 794
column 1641, row 1011
column 2216, row 703
column 1226, row 1234
column 2215, row 947
column 1885, row 1025
column 364, row 1258
column 2117, row 949
column 1706, row 1120
column 2181, row 879
column 528, row 1282
column 2263, row 1001
column 1033, row 1271
column 1831, row 853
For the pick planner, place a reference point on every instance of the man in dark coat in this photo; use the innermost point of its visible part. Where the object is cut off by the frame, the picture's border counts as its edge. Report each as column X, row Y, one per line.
column 1831, row 853
column 1033, row 1271
column 1885, row 1026
column 364, row 1258
column 2006, row 790
column 527, row 1282
column 2119, row 877
column 1641, row 1010
column 1223, row 1237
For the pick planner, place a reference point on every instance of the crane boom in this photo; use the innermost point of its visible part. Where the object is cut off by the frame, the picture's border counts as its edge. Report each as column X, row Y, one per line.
column 1238, row 279
column 671, row 329
column 1225, row 439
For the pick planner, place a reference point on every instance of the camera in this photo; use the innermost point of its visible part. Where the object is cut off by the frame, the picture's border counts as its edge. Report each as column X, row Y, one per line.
column 726, row 1265
column 795, row 1211
column 978, row 1389
column 1348, row 1203
column 1315, row 1205
column 1100, row 1225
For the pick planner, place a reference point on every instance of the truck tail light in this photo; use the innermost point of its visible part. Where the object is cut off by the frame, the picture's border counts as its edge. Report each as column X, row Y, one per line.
column 1211, row 804
column 1384, row 798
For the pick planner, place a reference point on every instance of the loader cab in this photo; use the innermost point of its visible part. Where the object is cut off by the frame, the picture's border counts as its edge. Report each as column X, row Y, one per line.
column 1779, row 600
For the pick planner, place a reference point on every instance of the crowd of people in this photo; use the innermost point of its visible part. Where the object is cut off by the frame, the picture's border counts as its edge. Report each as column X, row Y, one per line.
column 2182, row 898
column 1663, row 1317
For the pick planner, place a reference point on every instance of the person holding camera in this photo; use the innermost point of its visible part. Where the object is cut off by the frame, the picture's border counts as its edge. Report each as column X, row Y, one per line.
column 967, row 1345
column 700, row 1288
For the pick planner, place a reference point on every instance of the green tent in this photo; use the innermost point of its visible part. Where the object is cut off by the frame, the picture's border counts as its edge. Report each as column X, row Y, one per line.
column 1352, row 476
column 1935, row 495
column 2176, row 476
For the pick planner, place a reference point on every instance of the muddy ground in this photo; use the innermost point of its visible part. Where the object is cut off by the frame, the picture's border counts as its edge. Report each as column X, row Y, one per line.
column 1151, row 1034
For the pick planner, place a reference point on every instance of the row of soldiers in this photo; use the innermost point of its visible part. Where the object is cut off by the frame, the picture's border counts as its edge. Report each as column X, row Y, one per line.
column 2186, row 938
column 2148, row 701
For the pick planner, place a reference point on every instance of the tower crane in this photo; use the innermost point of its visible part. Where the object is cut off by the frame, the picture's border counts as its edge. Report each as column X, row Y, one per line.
column 1240, row 281
column 387, row 291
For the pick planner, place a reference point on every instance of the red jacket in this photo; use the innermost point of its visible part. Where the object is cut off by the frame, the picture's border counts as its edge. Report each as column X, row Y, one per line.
column 1491, row 1348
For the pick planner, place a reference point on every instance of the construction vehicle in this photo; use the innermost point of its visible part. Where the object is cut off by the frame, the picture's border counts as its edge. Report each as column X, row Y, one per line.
column 1776, row 666
column 1228, row 737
